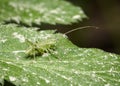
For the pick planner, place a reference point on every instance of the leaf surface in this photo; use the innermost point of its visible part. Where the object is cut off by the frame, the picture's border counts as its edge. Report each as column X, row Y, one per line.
column 73, row 67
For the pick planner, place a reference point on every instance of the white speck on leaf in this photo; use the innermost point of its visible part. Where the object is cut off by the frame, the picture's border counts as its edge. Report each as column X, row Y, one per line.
column 37, row 21
column 19, row 36
column 85, row 63
column 45, row 54
column 111, row 69
column 5, row 69
column 25, row 80
column 113, row 55
column 71, row 84
column 12, row 78
column 54, row 11
column 47, row 81
column 18, row 51
column 13, row 4
column 56, row 52
column 93, row 75
column 34, row 73
column 3, row 40
column 9, row 62
column 105, row 57
column 16, row 18
column 76, row 72
column 38, row 83
column 107, row 84
column 59, row 19
column 76, row 17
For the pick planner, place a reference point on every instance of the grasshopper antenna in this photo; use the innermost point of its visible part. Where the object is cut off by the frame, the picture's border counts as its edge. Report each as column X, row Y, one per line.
column 85, row 27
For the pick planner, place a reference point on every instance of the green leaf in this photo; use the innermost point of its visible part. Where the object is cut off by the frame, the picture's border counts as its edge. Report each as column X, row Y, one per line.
column 73, row 67
column 37, row 11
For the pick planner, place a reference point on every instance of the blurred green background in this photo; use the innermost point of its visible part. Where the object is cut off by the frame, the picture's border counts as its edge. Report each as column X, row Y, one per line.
column 104, row 14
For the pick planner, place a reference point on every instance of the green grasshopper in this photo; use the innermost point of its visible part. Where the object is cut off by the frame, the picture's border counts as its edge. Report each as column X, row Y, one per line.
column 39, row 48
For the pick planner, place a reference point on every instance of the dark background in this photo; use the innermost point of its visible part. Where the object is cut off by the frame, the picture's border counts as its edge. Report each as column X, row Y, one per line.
column 104, row 14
